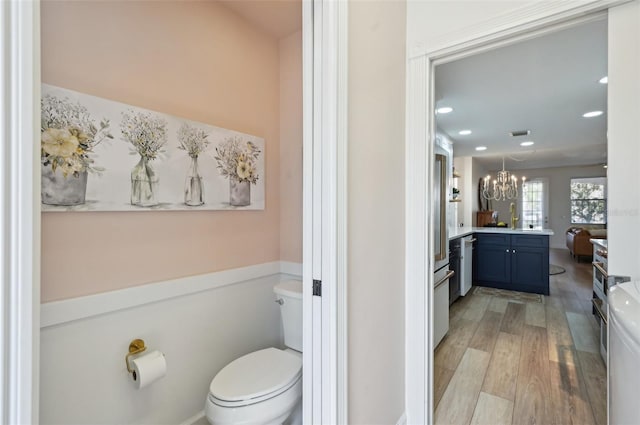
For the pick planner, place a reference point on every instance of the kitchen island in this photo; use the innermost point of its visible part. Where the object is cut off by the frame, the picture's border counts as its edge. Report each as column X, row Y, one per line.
column 514, row 259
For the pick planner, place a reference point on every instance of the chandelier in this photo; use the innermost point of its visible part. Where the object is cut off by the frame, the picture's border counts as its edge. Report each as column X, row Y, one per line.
column 503, row 188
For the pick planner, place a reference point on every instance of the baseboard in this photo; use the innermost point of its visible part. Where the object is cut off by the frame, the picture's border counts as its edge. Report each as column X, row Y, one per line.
column 194, row 419
column 58, row 312
column 403, row 419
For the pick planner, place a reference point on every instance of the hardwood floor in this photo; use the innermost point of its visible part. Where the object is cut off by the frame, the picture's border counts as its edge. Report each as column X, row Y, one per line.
column 509, row 361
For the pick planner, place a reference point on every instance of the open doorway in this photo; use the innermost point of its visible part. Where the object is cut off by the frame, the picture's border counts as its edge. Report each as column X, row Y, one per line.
column 536, row 109
column 479, row 34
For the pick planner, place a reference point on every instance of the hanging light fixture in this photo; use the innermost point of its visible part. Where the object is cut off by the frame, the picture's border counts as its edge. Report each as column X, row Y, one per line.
column 503, row 188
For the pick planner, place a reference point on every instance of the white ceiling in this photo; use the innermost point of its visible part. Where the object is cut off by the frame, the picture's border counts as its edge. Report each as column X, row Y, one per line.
column 543, row 85
column 277, row 17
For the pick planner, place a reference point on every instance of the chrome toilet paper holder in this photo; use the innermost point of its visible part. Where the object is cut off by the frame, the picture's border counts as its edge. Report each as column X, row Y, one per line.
column 135, row 347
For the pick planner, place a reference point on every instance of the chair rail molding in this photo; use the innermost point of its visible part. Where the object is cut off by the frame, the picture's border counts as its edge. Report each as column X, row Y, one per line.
column 72, row 309
column 519, row 24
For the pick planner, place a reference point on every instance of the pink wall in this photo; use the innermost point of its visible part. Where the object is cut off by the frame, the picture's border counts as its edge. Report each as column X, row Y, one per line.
column 291, row 148
column 196, row 60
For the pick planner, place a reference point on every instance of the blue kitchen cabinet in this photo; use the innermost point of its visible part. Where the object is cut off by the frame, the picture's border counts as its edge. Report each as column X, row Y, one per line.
column 513, row 261
column 494, row 263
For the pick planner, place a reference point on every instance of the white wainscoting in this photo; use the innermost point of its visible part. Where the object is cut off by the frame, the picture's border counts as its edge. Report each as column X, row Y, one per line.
column 200, row 323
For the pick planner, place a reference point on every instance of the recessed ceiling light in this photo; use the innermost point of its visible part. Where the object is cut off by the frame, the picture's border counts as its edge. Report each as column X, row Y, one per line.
column 529, row 143
column 592, row 114
column 604, row 80
column 481, row 148
column 464, row 132
column 444, row 110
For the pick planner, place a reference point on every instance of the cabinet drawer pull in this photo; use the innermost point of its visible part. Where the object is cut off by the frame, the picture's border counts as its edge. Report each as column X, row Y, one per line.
column 597, row 304
column 449, row 274
column 598, row 266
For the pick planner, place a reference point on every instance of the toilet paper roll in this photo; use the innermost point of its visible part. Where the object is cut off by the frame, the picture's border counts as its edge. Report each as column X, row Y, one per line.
column 148, row 368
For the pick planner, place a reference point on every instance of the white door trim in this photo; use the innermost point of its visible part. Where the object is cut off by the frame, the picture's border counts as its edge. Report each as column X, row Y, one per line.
column 20, row 213
column 341, row 302
column 520, row 24
column 324, row 210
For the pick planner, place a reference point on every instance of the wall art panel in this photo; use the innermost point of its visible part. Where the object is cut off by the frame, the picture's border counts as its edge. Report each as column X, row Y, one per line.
column 101, row 155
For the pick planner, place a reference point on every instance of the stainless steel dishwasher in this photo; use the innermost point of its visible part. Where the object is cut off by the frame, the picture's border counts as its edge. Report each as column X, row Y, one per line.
column 466, row 271
column 455, row 257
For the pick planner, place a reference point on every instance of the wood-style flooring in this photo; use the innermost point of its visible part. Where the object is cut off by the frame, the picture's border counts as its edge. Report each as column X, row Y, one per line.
column 505, row 361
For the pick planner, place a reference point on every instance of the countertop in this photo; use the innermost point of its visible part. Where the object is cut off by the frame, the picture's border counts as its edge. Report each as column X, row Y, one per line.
column 458, row 232
column 600, row 242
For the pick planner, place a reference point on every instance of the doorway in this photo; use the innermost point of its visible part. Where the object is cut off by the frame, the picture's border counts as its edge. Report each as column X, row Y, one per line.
column 421, row 130
column 535, row 203
column 526, row 115
column 21, row 49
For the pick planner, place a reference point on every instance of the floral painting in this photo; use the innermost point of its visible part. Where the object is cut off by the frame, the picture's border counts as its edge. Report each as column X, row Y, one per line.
column 102, row 155
column 237, row 161
column 69, row 136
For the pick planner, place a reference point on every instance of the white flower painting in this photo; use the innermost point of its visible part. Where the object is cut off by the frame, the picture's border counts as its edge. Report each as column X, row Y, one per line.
column 102, row 155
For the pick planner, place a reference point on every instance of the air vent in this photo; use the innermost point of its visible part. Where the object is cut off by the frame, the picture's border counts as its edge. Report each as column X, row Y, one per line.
column 520, row 133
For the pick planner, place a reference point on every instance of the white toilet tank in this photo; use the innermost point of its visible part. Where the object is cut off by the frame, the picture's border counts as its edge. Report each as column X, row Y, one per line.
column 290, row 294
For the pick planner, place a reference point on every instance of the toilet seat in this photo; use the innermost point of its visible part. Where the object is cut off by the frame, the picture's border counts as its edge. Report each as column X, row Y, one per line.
column 273, row 411
column 255, row 377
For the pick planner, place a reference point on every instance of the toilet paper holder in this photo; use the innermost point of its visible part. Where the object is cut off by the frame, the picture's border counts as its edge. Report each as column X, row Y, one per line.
column 135, row 347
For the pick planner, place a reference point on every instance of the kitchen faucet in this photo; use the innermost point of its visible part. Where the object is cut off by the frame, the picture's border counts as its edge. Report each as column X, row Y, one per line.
column 514, row 219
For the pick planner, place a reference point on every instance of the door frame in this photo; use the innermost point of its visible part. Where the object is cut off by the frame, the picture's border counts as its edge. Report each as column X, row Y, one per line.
column 325, row 78
column 518, row 25
column 20, row 214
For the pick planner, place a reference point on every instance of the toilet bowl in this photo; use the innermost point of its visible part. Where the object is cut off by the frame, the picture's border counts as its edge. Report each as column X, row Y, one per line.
column 265, row 386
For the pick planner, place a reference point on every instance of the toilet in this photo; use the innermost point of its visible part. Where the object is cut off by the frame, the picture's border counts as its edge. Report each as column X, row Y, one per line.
column 265, row 386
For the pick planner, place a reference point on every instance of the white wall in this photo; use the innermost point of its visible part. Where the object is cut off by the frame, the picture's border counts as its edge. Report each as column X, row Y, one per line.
column 464, row 167
column 376, row 209
column 471, row 172
column 624, row 140
column 479, row 171
column 432, row 23
column 559, row 197
column 451, row 207
column 83, row 374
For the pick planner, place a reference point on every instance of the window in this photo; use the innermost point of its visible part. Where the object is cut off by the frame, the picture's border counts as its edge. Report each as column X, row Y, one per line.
column 589, row 200
column 534, row 213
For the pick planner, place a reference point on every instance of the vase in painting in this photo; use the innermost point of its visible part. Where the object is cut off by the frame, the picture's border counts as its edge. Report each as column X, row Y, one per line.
column 193, row 187
column 144, row 184
column 239, row 193
column 58, row 189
